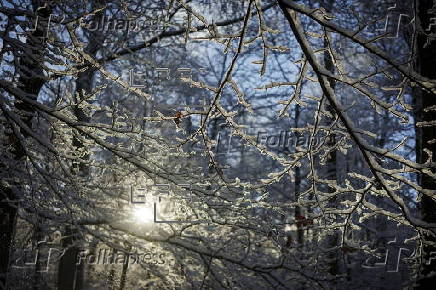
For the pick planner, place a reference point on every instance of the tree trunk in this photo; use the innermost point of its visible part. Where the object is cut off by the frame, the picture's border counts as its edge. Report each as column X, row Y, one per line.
column 31, row 83
column 297, row 185
column 7, row 222
column 123, row 277
column 111, row 276
column 331, row 174
column 69, row 273
column 425, row 64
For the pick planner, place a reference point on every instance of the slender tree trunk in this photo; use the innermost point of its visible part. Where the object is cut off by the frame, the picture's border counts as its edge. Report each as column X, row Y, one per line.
column 297, row 185
column 37, row 237
column 111, row 276
column 7, row 222
column 91, row 268
column 70, row 275
column 69, row 272
column 425, row 64
column 123, row 277
column 332, row 161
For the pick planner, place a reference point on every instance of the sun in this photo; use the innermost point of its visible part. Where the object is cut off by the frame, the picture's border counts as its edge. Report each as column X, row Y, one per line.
column 143, row 214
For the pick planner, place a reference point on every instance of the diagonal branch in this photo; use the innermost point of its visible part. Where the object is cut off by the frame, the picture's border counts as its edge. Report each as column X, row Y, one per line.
column 292, row 18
